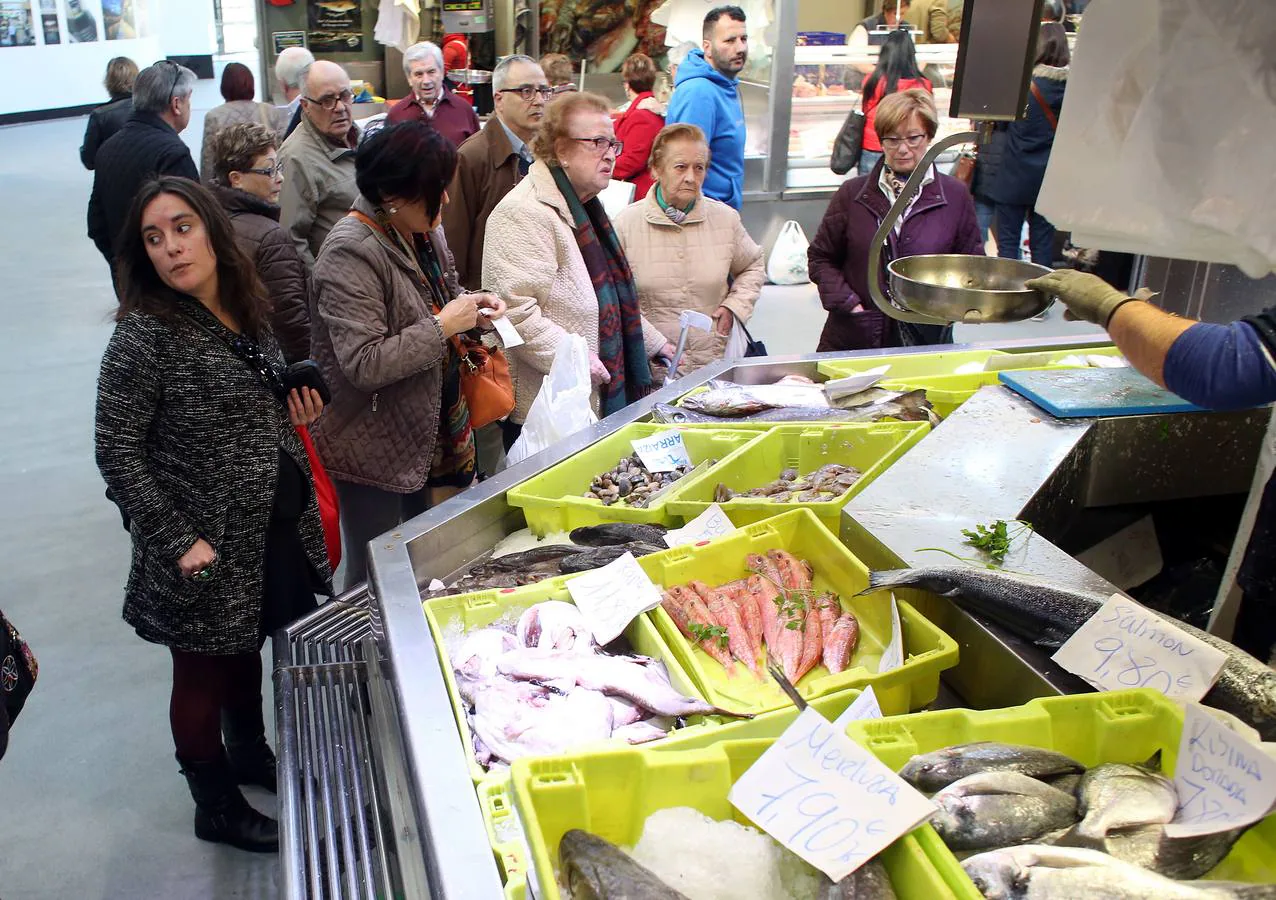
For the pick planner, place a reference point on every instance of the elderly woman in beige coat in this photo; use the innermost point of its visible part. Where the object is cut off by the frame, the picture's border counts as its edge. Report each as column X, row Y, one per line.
column 689, row 251
column 552, row 253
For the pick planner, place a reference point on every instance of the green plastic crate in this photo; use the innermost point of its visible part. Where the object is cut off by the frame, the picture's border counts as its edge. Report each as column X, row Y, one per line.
column 906, row 365
column 612, row 792
column 928, row 650
column 871, row 448
column 472, row 611
column 1120, row 726
column 553, row 501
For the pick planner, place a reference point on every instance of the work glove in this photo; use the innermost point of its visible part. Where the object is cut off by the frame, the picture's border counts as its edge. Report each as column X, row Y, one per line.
column 1087, row 297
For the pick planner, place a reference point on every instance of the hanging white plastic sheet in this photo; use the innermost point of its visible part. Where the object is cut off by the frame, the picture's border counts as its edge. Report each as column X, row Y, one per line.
column 1165, row 140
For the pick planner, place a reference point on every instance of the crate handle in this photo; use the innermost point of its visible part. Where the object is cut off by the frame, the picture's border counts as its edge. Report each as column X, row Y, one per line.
column 562, row 778
column 482, row 601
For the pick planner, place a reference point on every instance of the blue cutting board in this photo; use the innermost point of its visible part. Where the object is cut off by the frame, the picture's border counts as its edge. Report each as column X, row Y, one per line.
column 1077, row 393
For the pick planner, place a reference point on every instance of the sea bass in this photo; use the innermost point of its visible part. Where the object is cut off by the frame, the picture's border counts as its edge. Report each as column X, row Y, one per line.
column 595, row 869
column 1047, row 614
column 870, row 881
column 997, row 809
column 1115, row 796
column 936, row 770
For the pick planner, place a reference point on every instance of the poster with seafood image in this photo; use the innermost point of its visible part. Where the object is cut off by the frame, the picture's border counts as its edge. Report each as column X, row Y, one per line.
column 119, row 20
column 334, row 26
column 17, row 23
column 81, row 20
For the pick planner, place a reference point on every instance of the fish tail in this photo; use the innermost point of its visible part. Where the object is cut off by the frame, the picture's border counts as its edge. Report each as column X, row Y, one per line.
column 887, row 578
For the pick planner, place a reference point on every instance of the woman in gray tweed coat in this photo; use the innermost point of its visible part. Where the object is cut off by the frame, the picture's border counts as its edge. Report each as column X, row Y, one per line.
column 196, row 440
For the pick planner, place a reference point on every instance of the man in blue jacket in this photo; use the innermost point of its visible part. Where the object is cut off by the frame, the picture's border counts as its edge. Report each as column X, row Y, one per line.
column 707, row 94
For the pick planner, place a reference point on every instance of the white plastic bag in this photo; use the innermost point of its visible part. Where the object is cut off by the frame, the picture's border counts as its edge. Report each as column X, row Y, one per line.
column 737, row 343
column 562, row 405
column 787, row 263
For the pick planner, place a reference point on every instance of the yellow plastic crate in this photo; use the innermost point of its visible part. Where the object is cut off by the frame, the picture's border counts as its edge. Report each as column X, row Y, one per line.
column 906, row 365
column 612, row 792
column 505, row 833
column 473, row 611
column 871, row 448
column 554, row 501
column 927, row 649
column 1121, row 726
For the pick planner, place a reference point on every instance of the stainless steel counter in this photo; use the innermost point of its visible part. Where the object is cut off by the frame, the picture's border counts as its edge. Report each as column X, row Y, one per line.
column 380, row 689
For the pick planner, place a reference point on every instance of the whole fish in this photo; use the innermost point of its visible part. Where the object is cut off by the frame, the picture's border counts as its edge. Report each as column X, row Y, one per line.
column 612, row 533
column 726, row 402
column 936, row 770
column 515, row 720
column 1049, row 615
column 554, row 625
column 997, row 809
column 595, row 869
column 510, row 562
column 727, row 615
column 474, row 661
column 1116, row 795
column 839, row 643
column 597, row 557
column 812, row 643
column 749, row 614
column 686, row 608
column 870, row 881
column 640, row 732
column 1041, row 872
column 1173, row 857
column 766, row 594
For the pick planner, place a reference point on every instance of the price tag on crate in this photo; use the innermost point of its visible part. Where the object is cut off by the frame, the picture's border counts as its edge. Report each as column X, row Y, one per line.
column 893, row 655
column 612, row 596
column 1223, row 779
column 662, row 452
column 1125, row 645
column 710, row 524
column 826, row 798
column 865, row 706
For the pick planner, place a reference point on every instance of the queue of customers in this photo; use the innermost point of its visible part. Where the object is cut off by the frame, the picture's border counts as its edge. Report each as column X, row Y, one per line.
column 323, row 284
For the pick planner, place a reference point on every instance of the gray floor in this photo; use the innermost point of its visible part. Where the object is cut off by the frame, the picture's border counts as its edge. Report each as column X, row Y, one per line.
column 93, row 806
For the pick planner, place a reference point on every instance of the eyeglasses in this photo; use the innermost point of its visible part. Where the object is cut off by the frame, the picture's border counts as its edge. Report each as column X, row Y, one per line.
column 529, row 91
column 177, row 74
column 568, row 88
column 602, row 144
column 330, row 101
column 277, row 170
column 912, row 140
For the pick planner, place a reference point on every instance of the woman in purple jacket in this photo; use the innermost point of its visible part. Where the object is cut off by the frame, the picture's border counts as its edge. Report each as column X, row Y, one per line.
column 940, row 220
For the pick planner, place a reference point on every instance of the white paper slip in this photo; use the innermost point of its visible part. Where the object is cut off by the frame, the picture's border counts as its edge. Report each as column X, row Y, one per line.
column 435, row 585
column 1125, row 645
column 826, row 798
column 510, row 338
column 662, row 452
column 864, row 707
column 710, row 524
column 611, row 597
column 1223, row 780
column 853, row 384
column 893, row 655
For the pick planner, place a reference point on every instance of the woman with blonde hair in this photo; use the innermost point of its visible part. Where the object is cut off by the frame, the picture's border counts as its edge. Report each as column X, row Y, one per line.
column 110, row 117
column 551, row 250
column 689, row 251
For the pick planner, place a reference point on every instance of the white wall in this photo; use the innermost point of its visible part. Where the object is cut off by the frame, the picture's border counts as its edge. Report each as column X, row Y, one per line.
column 70, row 74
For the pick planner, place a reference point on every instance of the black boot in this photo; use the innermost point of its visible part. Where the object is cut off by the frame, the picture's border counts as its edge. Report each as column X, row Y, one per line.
column 222, row 815
column 251, row 758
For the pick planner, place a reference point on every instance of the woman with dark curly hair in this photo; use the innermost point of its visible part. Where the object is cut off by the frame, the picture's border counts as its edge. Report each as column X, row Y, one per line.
column 196, row 439
column 388, row 317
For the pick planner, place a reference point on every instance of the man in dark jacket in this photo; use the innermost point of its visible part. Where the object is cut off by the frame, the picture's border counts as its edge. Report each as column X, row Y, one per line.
column 148, row 146
column 104, row 122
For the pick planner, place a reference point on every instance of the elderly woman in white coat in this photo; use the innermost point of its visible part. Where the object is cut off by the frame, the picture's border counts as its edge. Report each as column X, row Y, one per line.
column 551, row 251
column 689, row 251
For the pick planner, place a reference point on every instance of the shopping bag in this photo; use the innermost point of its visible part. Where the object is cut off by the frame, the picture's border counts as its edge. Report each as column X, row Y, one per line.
column 562, row 405
column 849, row 144
column 740, row 344
column 326, row 496
column 787, row 262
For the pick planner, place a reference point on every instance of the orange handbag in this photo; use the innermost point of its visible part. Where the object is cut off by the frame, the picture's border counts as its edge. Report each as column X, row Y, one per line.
column 486, row 383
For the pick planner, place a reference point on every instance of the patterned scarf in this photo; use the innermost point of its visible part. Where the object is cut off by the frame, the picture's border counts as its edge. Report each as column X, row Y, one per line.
column 677, row 216
column 455, row 454
column 620, row 343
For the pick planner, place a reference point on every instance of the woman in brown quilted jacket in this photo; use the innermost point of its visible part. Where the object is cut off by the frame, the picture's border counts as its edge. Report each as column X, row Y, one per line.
column 689, row 251
column 247, row 179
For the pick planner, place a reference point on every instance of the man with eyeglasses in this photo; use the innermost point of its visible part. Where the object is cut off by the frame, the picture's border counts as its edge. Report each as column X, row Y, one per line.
column 707, row 94
column 488, row 166
column 146, row 147
column 318, row 159
column 432, row 101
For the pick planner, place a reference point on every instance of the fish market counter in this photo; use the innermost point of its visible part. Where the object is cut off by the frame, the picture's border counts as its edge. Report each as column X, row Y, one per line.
column 377, row 794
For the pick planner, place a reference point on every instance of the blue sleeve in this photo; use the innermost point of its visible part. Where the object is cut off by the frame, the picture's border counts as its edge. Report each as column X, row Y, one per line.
column 1221, row 367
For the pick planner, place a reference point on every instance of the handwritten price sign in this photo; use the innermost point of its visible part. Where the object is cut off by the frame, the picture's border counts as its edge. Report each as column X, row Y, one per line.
column 1223, row 780
column 1125, row 645
column 662, row 452
column 826, row 798
column 710, row 524
column 610, row 597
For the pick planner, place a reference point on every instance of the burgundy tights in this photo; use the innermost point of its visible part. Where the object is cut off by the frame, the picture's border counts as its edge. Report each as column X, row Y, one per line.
column 204, row 686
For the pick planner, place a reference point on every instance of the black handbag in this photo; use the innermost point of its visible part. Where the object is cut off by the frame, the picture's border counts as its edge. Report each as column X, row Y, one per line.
column 18, row 672
column 751, row 347
column 849, row 144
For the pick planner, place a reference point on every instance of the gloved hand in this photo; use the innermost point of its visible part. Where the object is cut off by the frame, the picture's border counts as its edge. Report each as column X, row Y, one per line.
column 1088, row 297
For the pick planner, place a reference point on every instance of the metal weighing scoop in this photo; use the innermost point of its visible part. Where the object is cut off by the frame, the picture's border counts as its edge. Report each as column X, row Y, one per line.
column 936, row 289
